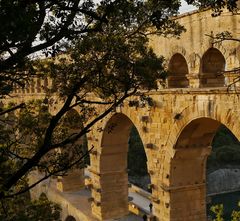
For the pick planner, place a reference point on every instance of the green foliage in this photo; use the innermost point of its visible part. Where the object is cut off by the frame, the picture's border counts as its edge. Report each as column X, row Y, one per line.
column 224, row 137
column 225, row 149
column 218, row 211
column 15, row 149
column 235, row 215
column 225, row 153
column 106, row 54
column 117, row 64
column 228, row 154
column 137, row 160
column 54, row 26
column 216, row 5
column 19, row 140
column 106, row 59
column 23, row 15
column 21, row 208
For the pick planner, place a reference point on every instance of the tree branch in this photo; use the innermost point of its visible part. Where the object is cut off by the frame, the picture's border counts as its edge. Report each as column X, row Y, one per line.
column 22, row 105
column 49, row 175
column 94, row 121
column 46, row 147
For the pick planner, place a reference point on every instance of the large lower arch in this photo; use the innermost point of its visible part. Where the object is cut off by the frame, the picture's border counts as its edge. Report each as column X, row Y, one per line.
column 113, row 176
column 70, row 218
column 187, row 181
column 74, row 179
column 188, row 170
column 173, row 187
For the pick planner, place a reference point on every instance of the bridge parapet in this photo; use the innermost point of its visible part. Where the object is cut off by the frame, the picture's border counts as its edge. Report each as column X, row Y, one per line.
column 36, row 85
column 176, row 131
column 230, row 80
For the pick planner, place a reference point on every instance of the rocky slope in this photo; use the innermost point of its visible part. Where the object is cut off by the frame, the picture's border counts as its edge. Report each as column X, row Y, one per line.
column 223, row 180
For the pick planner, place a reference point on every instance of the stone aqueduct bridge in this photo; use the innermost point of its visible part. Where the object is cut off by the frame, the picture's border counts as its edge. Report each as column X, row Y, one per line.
column 176, row 131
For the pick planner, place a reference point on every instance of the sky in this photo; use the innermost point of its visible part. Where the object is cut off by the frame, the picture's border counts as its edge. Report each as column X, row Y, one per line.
column 185, row 7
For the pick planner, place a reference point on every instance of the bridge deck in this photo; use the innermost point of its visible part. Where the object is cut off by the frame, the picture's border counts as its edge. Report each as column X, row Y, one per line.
column 140, row 201
column 79, row 200
column 77, row 204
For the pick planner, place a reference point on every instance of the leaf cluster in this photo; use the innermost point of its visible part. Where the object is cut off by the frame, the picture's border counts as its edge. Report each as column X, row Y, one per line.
column 216, row 5
column 52, row 26
column 21, row 208
column 218, row 211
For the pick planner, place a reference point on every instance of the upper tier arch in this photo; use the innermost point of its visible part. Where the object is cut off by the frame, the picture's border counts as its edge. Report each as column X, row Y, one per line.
column 178, row 71
column 212, row 65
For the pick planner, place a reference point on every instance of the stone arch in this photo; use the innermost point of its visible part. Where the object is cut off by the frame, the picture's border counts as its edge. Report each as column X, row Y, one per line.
column 177, row 49
column 73, row 119
column 188, row 169
column 45, row 84
column 178, row 71
column 75, row 124
column 74, row 179
column 70, row 218
column 187, row 180
column 204, row 109
column 187, row 150
column 111, row 196
column 212, row 64
column 43, row 195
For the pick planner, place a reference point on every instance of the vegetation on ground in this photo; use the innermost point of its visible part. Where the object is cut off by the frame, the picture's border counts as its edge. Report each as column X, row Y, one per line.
column 218, row 211
column 108, row 56
column 225, row 150
column 29, row 210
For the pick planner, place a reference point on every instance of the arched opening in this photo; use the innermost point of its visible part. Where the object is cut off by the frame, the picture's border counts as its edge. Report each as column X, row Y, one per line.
column 70, row 218
column 223, row 173
column 188, row 189
column 45, row 84
column 114, row 167
column 27, row 87
column 137, row 161
column 73, row 180
column 32, row 86
column 213, row 63
column 178, row 71
column 43, row 196
column 38, row 86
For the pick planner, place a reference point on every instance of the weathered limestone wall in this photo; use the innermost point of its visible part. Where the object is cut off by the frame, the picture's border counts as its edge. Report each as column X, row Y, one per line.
column 176, row 131
column 176, row 152
column 193, row 43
